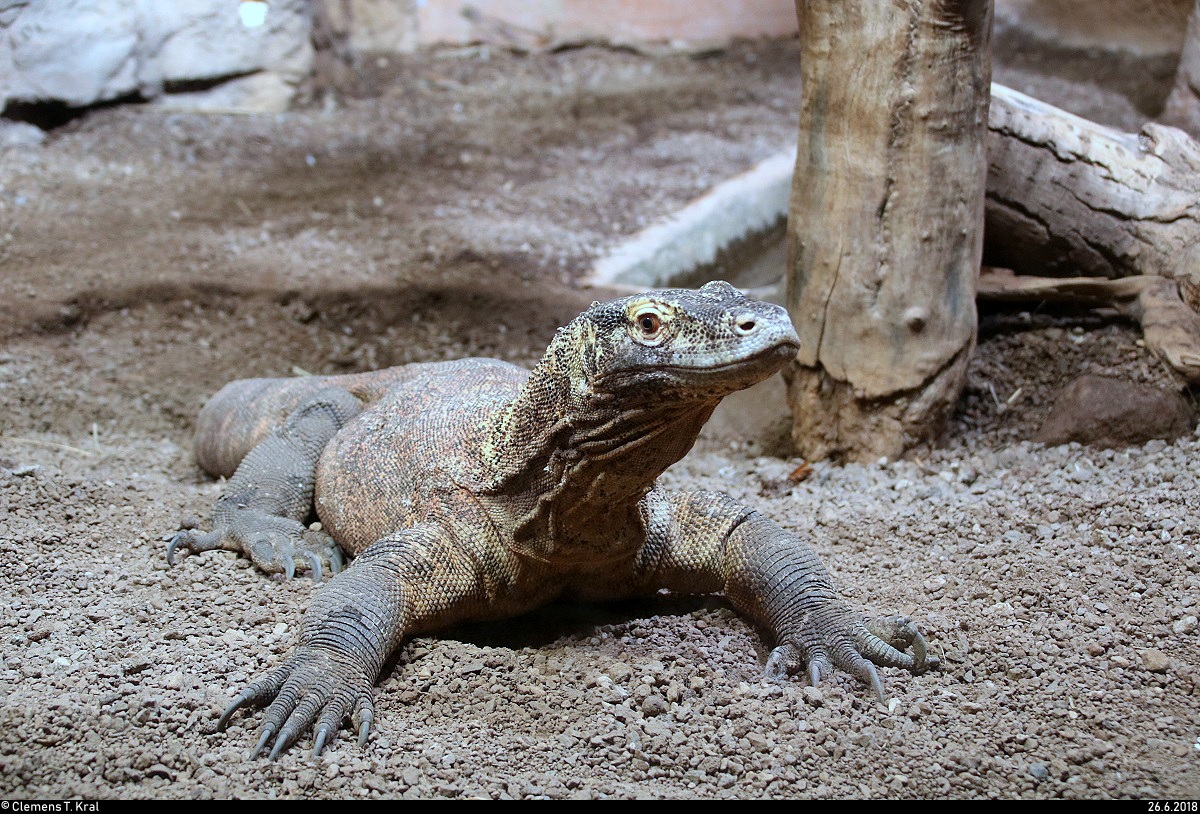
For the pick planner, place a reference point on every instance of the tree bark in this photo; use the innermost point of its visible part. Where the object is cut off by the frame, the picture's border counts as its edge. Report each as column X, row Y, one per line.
column 886, row 217
column 1182, row 109
column 1069, row 197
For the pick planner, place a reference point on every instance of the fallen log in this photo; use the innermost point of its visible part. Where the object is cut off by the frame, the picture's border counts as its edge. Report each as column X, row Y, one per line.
column 1069, row 197
column 1117, row 214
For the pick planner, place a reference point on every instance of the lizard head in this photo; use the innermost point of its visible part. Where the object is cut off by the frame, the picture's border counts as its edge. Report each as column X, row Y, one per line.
column 622, row 393
column 686, row 345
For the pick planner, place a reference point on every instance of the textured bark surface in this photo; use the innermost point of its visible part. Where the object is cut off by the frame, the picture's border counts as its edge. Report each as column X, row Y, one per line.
column 1069, row 197
column 885, row 226
column 1183, row 104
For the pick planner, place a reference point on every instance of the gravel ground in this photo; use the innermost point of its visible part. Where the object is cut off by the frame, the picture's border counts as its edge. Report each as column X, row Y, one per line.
column 148, row 258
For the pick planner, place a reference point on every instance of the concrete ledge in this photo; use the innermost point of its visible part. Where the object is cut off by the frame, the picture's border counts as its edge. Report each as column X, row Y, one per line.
column 400, row 25
column 734, row 211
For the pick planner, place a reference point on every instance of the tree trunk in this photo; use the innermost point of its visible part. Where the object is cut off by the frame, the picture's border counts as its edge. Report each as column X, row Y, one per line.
column 1183, row 104
column 1069, row 197
column 886, row 220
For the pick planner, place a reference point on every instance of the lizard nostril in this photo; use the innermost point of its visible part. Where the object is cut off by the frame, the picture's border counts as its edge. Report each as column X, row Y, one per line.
column 745, row 324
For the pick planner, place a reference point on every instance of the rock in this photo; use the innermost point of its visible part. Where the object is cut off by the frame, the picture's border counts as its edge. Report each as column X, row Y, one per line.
column 1155, row 661
column 654, row 705
column 80, row 52
column 1108, row 412
column 20, row 134
column 1185, row 625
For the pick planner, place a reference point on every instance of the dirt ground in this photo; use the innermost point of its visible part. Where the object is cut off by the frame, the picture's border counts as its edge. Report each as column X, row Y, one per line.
column 149, row 257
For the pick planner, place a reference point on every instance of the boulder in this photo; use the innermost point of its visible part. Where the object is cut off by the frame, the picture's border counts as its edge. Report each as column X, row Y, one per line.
column 1104, row 411
column 81, row 52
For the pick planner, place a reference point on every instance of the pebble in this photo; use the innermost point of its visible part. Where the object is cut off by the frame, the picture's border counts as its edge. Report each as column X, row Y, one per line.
column 1185, row 625
column 1155, row 661
column 654, row 705
column 20, row 134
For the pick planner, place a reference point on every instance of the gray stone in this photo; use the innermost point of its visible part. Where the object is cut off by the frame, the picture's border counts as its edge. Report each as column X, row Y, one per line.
column 1108, row 412
column 1155, row 661
column 80, row 52
column 654, row 705
column 1185, row 625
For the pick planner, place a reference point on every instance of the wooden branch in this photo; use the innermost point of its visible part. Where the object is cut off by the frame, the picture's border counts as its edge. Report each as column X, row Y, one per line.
column 1069, row 197
column 1170, row 327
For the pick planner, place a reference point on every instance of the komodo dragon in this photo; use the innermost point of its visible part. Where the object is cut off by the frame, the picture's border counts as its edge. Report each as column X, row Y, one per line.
column 475, row 489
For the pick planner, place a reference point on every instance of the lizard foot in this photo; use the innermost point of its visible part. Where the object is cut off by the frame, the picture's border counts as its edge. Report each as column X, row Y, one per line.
column 274, row 544
column 900, row 633
column 830, row 635
column 315, row 688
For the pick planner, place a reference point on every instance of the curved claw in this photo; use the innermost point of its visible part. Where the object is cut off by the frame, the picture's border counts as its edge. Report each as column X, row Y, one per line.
column 814, row 671
column 920, row 651
column 279, row 746
column 244, row 697
column 175, row 543
column 314, row 563
column 364, row 728
column 322, row 736
column 268, row 731
column 872, row 677
column 289, row 566
column 336, row 562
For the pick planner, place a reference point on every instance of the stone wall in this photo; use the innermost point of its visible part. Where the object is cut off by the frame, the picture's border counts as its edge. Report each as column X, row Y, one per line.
column 1142, row 27
column 83, row 52
column 196, row 54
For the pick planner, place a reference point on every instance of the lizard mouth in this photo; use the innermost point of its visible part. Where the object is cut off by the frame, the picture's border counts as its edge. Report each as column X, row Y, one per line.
column 780, row 352
column 717, row 378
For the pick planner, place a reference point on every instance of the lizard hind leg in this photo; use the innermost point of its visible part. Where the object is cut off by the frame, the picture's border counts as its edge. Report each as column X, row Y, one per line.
column 271, row 493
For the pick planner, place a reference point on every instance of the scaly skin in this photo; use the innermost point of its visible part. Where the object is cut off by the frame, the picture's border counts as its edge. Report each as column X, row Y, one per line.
column 477, row 490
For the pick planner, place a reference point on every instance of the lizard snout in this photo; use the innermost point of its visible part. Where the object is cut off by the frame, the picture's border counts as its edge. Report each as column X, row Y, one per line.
column 764, row 323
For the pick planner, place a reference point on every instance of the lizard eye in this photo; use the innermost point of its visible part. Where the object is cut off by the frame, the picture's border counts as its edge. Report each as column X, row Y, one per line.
column 649, row 322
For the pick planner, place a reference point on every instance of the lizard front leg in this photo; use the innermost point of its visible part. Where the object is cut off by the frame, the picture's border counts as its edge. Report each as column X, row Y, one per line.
column 418, row 579
column 262, row 510
column 704, row 541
